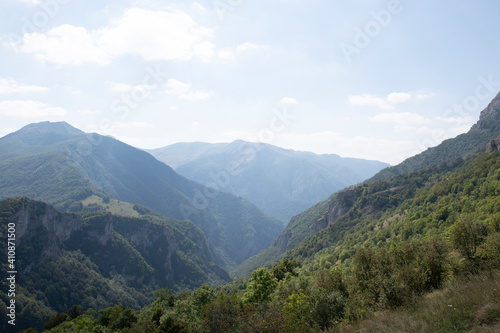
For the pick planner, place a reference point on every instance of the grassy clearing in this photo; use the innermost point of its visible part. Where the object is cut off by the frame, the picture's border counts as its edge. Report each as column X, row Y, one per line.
column 113, row 206
column 469, row 304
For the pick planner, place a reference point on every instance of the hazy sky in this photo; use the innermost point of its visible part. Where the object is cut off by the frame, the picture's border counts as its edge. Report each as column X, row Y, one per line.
column 371, row 79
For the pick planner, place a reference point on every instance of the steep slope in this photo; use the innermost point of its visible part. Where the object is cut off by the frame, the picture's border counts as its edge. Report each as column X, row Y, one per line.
column 61, row 165
column 485, row 130
column 98, row 259
column 281, row 182
column 389, row 186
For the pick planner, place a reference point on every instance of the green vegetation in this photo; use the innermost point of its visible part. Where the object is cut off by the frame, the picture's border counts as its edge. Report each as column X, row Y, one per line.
column 74, row 171
column 113, row 206
column 97, row 260
column 420, row 252
column 469, row 304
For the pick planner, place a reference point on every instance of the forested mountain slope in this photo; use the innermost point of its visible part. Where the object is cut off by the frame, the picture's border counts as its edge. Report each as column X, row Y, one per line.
column 61, row 165
column 96, row 259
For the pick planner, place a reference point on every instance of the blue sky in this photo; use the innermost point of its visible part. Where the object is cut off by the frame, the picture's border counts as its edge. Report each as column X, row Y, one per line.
column 370, row 79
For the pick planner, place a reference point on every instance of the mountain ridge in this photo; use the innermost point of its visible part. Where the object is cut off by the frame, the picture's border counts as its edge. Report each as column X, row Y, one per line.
column 318, row 218
column 65, row 166
column 282, row 182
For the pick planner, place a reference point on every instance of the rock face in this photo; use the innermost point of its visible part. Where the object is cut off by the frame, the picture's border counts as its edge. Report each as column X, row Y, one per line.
column 159, row 253
column 493, row 146
column 36, row 221
column 341, row 205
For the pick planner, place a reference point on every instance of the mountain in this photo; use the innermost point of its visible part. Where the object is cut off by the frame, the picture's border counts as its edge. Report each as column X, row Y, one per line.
column 98, row 259
column 485, row 130
column 63, row 166
column 389, row 186
column 281, row 182
column 416, row 253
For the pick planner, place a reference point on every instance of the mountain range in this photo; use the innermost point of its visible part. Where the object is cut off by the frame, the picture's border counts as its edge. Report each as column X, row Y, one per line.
column 281, row 182
column 370, row 247
column 61, row 165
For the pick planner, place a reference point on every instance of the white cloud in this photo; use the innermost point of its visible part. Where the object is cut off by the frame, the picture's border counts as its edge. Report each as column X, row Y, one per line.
column 396, row 98
column 288, row 100
column 183, row 91
column 66, row 45
column 119, row 87
column 456, row 120
column 204, row 50
column 423, row 95
column 248, row 47
column 388, row 102
column 400, row 118
column 229, row 53
column 29, row 109
column 126, row 88
column 153, row 35
column 9, row 86
column 226, row 54
column 366, row 99
column 199, row 7
column 403, row 128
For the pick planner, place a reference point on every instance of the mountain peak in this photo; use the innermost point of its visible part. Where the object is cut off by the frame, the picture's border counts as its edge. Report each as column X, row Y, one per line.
column 37, row 135
column 60, row 127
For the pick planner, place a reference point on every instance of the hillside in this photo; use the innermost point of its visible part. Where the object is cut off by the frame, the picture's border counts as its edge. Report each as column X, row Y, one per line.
column 445, row 156
column 279, row 181
column 98, row 259
column 416, row 253
column 61, row 165
column 486, row 129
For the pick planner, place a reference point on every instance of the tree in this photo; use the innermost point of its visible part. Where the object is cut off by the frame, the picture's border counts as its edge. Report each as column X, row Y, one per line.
column 203, row 296
column 55, row 321
column 117, row 317
column 222, row 314
column 286, row 266
column 467, row 235
column 261, row 286
column 170, row 325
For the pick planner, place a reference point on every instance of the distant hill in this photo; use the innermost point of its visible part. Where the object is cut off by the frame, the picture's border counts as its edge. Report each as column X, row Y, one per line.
column 61, row 165
column 279, row 181
column 327, row 221
column 98, row 259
